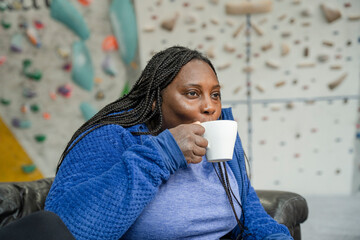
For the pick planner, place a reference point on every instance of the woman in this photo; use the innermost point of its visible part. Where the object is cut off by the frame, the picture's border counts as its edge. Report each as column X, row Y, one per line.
column 136, row 170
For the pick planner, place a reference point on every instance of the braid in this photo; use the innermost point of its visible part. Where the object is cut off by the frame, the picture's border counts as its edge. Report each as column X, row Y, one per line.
column 137, row 106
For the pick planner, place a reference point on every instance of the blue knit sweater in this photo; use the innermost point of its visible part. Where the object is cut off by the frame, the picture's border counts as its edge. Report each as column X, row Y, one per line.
column 108, row 178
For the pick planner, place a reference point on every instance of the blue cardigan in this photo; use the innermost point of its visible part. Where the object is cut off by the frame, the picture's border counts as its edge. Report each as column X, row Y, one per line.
column 108, row 178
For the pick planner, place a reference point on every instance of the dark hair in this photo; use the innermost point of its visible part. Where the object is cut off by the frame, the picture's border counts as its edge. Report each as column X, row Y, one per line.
column 137, row 106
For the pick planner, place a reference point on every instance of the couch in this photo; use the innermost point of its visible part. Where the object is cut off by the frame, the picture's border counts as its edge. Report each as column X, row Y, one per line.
column 19, row 199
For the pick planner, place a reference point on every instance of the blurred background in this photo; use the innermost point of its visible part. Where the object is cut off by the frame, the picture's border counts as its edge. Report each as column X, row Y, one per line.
column 288, row 68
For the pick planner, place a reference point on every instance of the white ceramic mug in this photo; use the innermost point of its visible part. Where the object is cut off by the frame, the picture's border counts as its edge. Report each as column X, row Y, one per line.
column 221, row 136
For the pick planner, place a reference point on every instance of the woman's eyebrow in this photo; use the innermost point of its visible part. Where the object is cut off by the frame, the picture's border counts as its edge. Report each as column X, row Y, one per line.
column 198, row 85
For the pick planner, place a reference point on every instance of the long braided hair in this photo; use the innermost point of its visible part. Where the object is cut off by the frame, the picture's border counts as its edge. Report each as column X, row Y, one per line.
column 137, row 106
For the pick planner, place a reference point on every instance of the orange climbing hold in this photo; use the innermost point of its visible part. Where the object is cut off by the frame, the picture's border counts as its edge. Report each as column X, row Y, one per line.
column 85, row 2
column 110, row 43
column 46, row 115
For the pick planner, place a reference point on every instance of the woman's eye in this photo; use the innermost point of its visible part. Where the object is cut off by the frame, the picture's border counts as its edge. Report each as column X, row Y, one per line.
column 216, row 95
column 192, row 94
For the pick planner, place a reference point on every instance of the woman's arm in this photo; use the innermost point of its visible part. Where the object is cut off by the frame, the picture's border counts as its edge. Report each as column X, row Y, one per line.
column 107, row 179
column 258, row 224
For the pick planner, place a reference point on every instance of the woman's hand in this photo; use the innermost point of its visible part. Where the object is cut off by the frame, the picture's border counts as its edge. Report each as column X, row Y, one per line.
column 190, row 140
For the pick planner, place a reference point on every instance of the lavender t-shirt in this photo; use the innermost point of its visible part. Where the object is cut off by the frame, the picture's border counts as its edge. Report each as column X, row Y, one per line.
column 192, row 204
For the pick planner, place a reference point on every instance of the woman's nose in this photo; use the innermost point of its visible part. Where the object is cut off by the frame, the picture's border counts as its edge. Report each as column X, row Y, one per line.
column 208, row 107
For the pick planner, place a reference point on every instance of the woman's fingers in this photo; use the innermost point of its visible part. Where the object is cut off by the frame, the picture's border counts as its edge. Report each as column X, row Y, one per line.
column 190, row 141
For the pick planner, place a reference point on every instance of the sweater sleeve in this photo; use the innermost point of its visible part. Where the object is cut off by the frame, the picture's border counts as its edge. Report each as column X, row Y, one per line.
column 258, row 224
column 106, row 181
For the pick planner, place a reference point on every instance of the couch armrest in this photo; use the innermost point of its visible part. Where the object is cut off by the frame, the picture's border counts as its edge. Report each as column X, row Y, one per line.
column 19, row 199
column 286, row 208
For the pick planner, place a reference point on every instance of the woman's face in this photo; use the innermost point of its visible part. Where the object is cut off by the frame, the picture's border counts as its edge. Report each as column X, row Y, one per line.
column 193, row 95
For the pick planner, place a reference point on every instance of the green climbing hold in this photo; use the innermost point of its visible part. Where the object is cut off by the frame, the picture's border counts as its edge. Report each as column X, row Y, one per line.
column 40, row 138
column 34, row 108
column 126, row 89
column 5, row 24
column 5, row 101
column 36, row 75
column 28, row 168
column 2, row 6
column 26, row 64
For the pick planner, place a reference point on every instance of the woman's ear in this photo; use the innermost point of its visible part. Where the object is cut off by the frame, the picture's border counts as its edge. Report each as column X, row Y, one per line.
column 153, row 106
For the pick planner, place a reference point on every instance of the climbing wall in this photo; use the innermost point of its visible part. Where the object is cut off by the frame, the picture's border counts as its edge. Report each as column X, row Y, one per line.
column 289, row 70
column 40, row 102
column 18, row 165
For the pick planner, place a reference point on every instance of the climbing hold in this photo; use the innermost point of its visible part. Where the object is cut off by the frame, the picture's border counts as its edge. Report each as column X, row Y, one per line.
column 337, row 82
column 110, row 43
column 82, row 70
column 98, row 80
column 3, row 6
column 52, row 95
column 29, row 93
column 306, row 52
column 16, row 122
column 169, row 23
column 40, row 137
column 336, row 67
column 224, row 66
column 46, row 115
column 87, row 110
column 63, row 52
column 123, row 21
column 38, row 24
column 285, row 34
column 16, row 43
column 65, row 90
column 327, row 43
column 126, row 89
column 266, row 47
column 5, row 24
column 237, row 89
column 358, row 135
column 354, row 17
column 99, row 95
column 323, row 58
column 190, row 19
column 64, row 12
column 284, row 49
column 35, row 75
column 259, row 88
column 67, row 66
column 2, row 60
column 280, row 84
column 5, row 101
column 24, row 108
column 306, row 65
column 258, row 31
column 245, row 7
column 331, row 14
column 33, row 36
column 28, row 168
column 34, row 108
column 238, row 30
column 108, row 66
column 229, row 48
column 248, row 69
column 272, row 64
column 306, row 12
column 85, row 2
column 149, row 28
